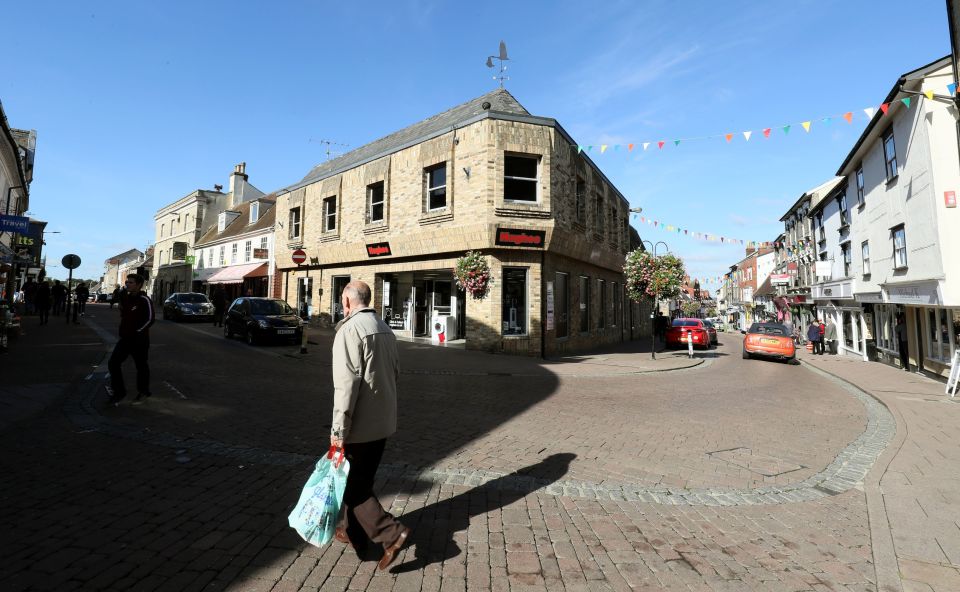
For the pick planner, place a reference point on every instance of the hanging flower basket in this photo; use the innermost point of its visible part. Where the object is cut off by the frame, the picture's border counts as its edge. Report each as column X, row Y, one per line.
column 473, row 275
column 652, row 277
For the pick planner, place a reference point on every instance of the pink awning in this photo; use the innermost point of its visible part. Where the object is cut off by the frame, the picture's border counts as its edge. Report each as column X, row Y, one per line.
column 234, row 274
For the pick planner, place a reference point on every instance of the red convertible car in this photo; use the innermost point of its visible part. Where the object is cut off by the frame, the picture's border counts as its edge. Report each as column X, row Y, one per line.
column 682, row 329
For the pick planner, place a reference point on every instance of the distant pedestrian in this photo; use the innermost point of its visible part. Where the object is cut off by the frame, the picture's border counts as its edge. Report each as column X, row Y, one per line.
column 830, row 336
column 814, row 337
column 58, row 292
column 219, row 301
column 366, row 366
column 660, row 323
column 115, row 297
column 901, row 330
column 42, row 301
column 136, row 317
column 82, row 292
column 29, row 291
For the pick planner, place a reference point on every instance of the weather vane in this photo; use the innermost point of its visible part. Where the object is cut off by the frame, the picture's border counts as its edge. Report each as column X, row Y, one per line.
column 503, row 68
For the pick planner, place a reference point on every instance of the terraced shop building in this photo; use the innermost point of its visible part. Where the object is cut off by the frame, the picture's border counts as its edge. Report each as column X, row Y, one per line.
column 484, row 176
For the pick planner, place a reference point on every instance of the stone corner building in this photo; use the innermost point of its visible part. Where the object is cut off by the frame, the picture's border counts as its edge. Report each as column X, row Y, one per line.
column 485, row 176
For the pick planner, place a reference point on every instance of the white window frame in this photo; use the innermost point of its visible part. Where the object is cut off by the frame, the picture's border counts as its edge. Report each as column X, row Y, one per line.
column 222, row 249
column 254, row 211
column 890, row 155
column 247, row 251
column 885, row 328
column 330, row 213
column 294, row 223
column 233, row 253
column 429, row 189
column 846, row 258
column 382, row 203
column 865, row 256
column 861, row 189
column 534, row 180
column 899, row 251
column 933, row 336
column 209, row 257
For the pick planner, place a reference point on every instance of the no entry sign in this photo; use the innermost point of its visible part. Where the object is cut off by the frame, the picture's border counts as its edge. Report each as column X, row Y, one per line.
column 299, row 256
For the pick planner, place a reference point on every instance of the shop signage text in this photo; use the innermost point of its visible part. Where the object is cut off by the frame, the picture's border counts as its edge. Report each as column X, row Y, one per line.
column 261, row 253
column 512, row 237
column 378, row 250
column 14, row 223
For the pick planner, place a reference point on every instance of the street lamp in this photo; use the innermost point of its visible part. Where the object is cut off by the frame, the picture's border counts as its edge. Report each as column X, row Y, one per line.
column 656, row 300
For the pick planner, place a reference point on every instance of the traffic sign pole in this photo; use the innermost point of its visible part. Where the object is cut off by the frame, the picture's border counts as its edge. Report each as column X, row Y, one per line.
column 71, row 262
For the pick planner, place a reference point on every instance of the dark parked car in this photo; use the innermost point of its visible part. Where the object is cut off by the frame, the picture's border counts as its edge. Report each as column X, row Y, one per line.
column 262, row 319
column 181, row 306
column 712, row 331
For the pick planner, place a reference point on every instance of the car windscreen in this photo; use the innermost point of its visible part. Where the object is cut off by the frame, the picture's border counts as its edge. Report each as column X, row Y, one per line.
column 779, row 330
column 685, row 323
column 269, row 307
column 193, row 298
column 708, row 324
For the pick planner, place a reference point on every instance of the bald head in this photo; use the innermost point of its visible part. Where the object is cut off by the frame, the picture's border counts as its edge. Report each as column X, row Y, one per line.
column 357, row 294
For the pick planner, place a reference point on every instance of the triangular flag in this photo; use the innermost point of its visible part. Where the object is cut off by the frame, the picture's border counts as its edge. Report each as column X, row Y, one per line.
column 806, row 126
column 786, row 129
column 728, row 137
column 629, row 147
column 686, row 232
column 766, row 132
column 869, row 111
column 579, row 148
column 885, row 107
column 906, row 101
column 643, row 218
column 746, row 135
column 603, row 148
column 848, row 116
column 660, row 144
column 589, row 148
column 928, row 94
column 827, row 120
column 676, row 142
column 952, row 88
column 646, row 145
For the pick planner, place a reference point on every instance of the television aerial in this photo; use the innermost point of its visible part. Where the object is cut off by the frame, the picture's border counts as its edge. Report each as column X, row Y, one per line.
column 503, row 68
column 328, row 144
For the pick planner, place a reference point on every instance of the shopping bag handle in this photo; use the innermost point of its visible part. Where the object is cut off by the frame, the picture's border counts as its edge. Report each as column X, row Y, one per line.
column 339, row 460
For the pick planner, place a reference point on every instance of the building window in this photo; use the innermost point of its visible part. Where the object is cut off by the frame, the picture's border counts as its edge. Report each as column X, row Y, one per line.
column 186, row 222
column 222, row 249
column 940, row 334
column 330, row 214
column 865, row 254
column 163, row 229
column 884, row 324
column 294, row 225
column 860, row 187
column 602, row 293
column 247, row 250
column 890, row 155
column 233, row 253
column 436, row 181
column 561, row 307
column 599, row 213
column 899, row 248
column 822, row 233
column 847, row 258
column 375, row 202
column 514, row 301
column 581, row 203
column 254, row 211
column 263, row 243
column 616, row 297
column 209, row 258
column 520, row 180
column 584, row 304
column 844, row 214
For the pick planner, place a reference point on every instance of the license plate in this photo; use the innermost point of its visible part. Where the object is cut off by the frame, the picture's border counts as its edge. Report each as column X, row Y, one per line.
column 771, row 341
column 284, row 331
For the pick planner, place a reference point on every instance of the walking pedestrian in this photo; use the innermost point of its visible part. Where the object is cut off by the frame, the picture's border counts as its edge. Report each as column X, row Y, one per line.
column 115, row 297
column 830, row 336
column 136, row 317
column 41, row 300
column 82, row 292
column 59, row 294
column 901, row 331
column 219, row 301
column 365, row 371
column 814, row 337
column 29, row 291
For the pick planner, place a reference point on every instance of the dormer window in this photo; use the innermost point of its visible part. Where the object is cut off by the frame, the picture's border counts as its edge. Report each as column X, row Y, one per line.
column 221, row 221
column 254, row 211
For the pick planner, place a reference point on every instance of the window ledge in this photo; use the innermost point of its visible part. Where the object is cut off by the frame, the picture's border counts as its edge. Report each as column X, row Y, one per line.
column 376, row 228
column 901, row 268
column 329, row 236
column 517, row 336
column 295, row 243
column 520, row 210
column 860, row 206
column 436, row 217
column 892, row 179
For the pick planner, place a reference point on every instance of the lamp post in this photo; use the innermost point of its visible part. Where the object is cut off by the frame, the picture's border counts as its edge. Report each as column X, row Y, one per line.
column 656, row 299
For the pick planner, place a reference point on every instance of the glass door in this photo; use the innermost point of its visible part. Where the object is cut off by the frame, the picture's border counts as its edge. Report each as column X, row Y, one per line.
column 336, row 310
column 304, row 297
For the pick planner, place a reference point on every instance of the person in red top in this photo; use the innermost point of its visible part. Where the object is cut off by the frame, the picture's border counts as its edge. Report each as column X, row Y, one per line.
column 136, row 317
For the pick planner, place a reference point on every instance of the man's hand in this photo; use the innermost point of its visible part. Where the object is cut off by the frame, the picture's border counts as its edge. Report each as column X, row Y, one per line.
column 336, row 441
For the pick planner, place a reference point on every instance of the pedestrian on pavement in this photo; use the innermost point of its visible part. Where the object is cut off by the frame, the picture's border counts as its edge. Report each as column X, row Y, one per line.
column 82, row 292
column 365, row 371
column 29, row 291
column 41, row 300
column 901, row 330
column 219, row 301
column 660, row 323
column 58, row 292
column 814, row 337
column 830, row 336
column 115, row 297
column 823, row 331
column 136, row 316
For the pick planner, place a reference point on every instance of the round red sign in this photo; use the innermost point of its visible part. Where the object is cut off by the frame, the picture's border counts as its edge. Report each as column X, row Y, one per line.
column 299, row 256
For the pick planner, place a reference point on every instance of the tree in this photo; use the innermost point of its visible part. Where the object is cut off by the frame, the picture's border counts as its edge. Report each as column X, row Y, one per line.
column 649, row 277
column 690, row 308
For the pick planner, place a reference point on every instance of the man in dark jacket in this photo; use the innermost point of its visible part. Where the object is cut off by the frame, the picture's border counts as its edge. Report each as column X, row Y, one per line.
column 136, row 316
column 59, row 294
column 814, row 337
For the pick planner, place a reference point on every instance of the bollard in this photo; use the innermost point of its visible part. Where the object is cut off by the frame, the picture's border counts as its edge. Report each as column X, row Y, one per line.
column 689, row 343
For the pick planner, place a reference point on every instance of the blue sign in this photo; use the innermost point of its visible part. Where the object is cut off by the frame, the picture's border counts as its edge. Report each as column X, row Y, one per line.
column 14, row 224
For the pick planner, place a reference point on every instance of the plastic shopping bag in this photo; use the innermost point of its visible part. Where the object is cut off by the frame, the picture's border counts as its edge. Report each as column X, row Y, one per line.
column 316, row 513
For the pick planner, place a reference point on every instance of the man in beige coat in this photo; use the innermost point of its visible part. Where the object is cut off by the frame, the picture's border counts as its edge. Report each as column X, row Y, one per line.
column 365, row 371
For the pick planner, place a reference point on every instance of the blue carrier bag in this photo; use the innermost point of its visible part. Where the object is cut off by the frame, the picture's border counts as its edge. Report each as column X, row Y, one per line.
column 316, row 513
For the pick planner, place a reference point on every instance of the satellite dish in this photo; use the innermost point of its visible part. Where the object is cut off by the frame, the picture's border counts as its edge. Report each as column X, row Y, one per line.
column 503, row 51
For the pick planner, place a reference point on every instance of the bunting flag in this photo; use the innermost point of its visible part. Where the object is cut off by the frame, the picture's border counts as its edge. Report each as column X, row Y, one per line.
column 801, row 244
column 884, row 108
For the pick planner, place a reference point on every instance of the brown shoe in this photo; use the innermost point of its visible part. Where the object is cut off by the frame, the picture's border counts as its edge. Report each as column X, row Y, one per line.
column 390, row 553
column 341, row 535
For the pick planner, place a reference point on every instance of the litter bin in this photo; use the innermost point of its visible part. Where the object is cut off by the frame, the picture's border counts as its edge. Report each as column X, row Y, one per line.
column 872, row 350
column 833, row 347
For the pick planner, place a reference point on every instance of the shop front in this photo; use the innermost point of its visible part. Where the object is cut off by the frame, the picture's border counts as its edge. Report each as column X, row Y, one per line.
column 240, row 280
column 836, row 304
column 933, row 327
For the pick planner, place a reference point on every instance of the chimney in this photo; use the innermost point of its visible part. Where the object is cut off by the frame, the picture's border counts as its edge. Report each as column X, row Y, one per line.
column 238, row 180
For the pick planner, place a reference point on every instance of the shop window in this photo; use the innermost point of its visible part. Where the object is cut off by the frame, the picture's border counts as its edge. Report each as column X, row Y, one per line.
column 293, row 231
column 860, row 187
column 247, row 250
column 899, row 247
column 330, row 214
column 514, row 303
column 940, row 334
column 865, row 254
column 890, row 155
column 581, row 196
column 375, row 202
column 602, row 293
column 436, row 182
column 885, row 322
column 561, row 305
column 520, row 177
column 584, row 304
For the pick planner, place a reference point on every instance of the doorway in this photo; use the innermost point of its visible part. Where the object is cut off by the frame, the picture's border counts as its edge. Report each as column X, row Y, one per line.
column 305, row 297
column 336, row 309
column 918, row 320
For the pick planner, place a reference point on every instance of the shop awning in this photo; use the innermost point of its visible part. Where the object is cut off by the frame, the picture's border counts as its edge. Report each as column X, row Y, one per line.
column 235, row 273
column 260, row 271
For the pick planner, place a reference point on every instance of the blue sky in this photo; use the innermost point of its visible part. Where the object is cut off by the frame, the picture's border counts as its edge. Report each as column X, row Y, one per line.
column 137, row 104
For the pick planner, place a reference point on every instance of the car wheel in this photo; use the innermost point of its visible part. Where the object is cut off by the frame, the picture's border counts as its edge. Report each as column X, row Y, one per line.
column 251, row 338
column 746, row 355
column 226, row 331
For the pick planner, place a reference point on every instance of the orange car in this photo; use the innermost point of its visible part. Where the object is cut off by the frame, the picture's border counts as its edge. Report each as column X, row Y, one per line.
column 770, row 340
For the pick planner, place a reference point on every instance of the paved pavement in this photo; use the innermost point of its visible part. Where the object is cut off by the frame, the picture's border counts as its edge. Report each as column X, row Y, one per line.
column 603, row 471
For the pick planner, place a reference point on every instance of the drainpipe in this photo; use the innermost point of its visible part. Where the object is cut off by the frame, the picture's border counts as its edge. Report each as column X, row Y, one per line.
column 952, row 20
column 543, row 305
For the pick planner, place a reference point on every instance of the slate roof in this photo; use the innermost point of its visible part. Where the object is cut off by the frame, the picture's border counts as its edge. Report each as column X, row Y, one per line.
column 240, row 224
column 501, row 101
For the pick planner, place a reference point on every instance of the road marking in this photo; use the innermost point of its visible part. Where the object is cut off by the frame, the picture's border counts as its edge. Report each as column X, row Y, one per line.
column 174, row 389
